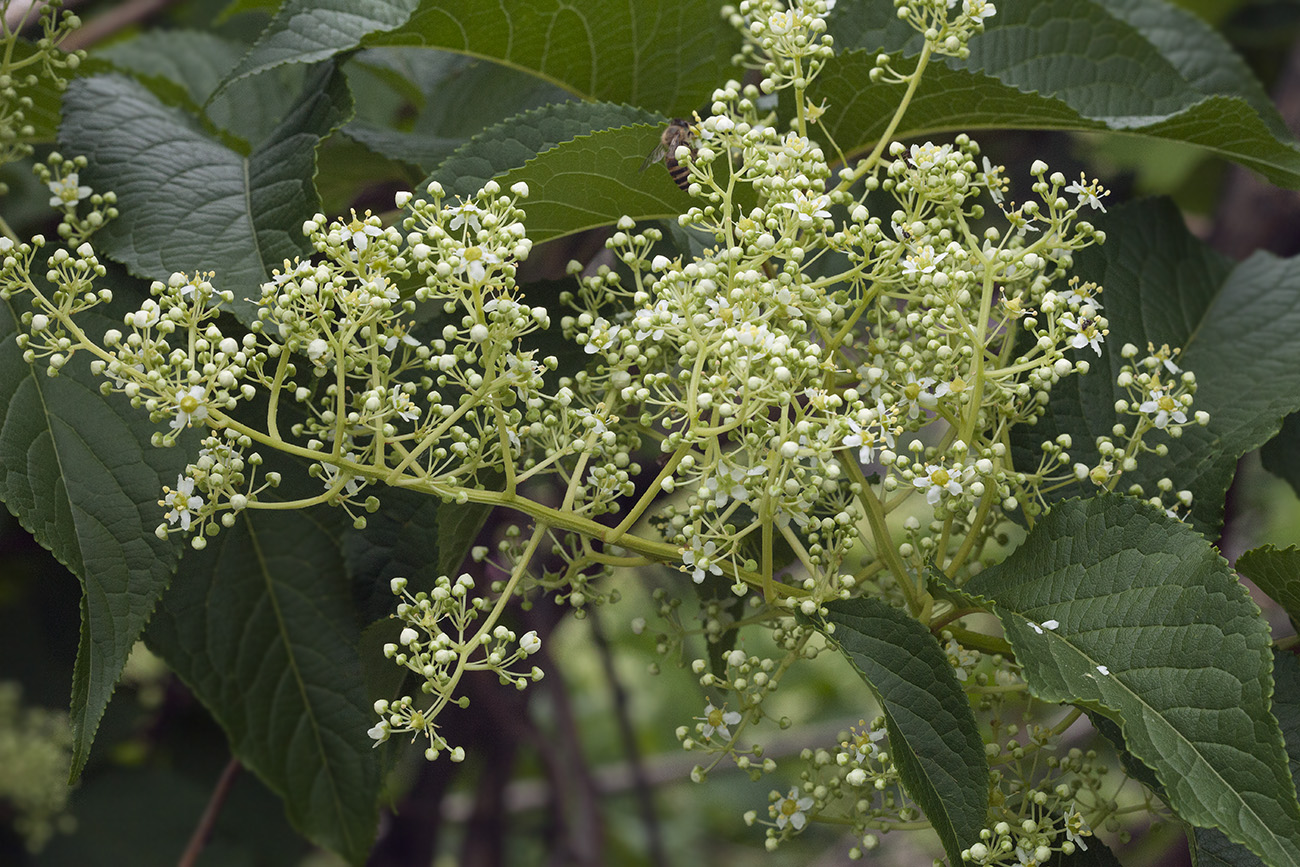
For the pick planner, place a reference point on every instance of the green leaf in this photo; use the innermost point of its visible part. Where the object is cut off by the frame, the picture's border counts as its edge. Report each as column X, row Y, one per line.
column 309, row 31
column 262, row 629
column 1141, row 67
column 197, row 63
column 512, row 143
column 414, row 536
column 1281, row 454
column 1096, row 855
column 189, row 203
column 1236, row 326
column 582, row 163
column 1277, row 573
column 595, row 179
column 932, row 733
column 1209, row 847
column 663, row 55
column 76, row 470
column 1154, row 631
column 418, row 105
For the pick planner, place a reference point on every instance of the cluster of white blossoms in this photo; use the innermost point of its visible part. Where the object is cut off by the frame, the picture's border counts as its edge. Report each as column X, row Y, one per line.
column 829, row 365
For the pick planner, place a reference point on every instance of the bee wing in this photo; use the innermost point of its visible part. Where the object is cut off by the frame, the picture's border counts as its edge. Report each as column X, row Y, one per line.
column 655, row 156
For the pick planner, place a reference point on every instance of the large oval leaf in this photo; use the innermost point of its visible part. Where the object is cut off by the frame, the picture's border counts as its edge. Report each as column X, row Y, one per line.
column 932, row 733
column 189, row 203
column 261, row 627
column 76, row 470
column 1142, row 67
column 1154, row 631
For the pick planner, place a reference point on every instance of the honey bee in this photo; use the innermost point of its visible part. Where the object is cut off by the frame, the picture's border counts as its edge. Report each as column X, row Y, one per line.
column 676, row 134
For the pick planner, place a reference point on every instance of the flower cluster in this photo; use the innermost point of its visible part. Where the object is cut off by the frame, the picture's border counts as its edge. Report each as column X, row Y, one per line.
column 829, row 383
column 439, row 643
column 19, row 76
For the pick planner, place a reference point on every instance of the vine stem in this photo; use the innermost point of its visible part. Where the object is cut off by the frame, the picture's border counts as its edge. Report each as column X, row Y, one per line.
column 203, row 831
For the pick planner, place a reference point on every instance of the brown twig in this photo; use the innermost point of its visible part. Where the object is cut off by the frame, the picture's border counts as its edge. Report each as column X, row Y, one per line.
column 99, row 28
column 208, row 821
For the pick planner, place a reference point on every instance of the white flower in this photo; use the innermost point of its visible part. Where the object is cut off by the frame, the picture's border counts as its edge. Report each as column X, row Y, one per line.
column 474, row 262
column 863, row 439
column 1076, row 829
column 66, row 191
column 403, row 405
column 698, row 564
column 184, row 504
column 922, row 261
column 360, row 233
column 978, row 9
column 917, row 394
column 807, row 207
column 329, row 473
column 783, row 22
column 602, row 336
column 147, row 316
column 1086, row 333
column 379, row 732
column 717, row 720
column 189, row 407
column 938, row 479
column 391, row 343
column 929, row 155
column 530, row 643
column 464, row 214
column 1164, row 406
column 994, row 180
column 1089, row 194
column 792, row 810
column 866, row 744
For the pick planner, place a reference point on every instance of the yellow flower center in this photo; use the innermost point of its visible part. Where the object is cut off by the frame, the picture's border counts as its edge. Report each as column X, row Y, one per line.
column 940, row 477
column 188, row 404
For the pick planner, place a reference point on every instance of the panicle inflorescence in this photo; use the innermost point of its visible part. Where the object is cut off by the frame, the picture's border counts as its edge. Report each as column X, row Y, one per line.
column 828, row 362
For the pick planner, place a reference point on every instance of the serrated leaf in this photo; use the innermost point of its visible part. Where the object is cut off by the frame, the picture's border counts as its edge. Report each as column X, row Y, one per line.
column 514, row 142
column 932, row 733
column 414, row 536
column 262, row 629
column 582, row 163
column 1236, row 326
column 1277, row 573
column 418, row 105
column 666, row 55
column 1153, row 631
column 76, row 470
column 1142, row 67
column 310, row 31
column 188, row 203
column 662, row 55
column 198, row 62
column 593, row 180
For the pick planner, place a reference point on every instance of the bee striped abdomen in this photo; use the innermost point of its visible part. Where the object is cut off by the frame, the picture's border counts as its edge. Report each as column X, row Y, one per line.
column 676, row 134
